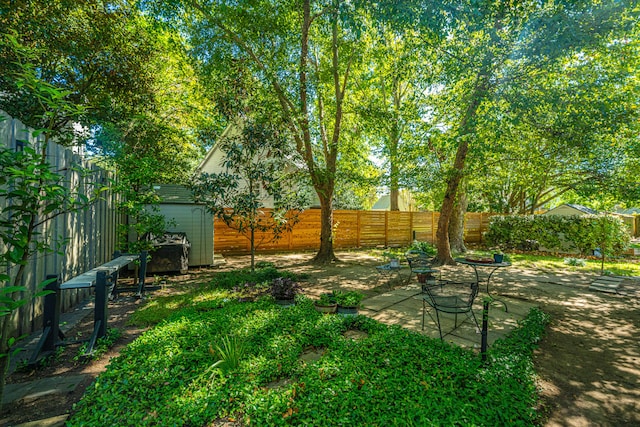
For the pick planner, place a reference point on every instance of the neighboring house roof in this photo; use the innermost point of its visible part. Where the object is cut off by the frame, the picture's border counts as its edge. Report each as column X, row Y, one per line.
column 571, row 209
column 584, row 209
column 404, row 202
column 212, row 160
column 629, row 211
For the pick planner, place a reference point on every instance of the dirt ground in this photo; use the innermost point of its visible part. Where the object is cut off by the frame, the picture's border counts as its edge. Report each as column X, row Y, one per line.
column 588, row 363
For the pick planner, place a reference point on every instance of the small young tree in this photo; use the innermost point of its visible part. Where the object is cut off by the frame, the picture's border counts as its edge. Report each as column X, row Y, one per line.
column 258, row 168
column 611, row 235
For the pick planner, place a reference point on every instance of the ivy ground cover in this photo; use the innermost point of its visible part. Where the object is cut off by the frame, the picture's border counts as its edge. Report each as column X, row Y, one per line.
column 389, row 376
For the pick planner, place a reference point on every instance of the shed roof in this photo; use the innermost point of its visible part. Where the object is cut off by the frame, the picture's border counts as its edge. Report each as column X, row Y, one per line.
column 173, row 194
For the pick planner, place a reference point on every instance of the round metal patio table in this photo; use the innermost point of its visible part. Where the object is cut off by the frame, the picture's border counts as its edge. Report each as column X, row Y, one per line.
column 493, row 266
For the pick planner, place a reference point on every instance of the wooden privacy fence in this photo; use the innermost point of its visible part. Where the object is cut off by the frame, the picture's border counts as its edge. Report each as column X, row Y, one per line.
column 352, row 229
column 88, row 236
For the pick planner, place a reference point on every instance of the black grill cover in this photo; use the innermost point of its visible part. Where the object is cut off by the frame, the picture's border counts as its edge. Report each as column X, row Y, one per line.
column 171, row 253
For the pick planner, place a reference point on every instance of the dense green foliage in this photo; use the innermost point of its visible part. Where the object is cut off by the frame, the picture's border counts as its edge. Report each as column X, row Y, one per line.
column 33, row 193
column 423, row 246
column 558, row 233
column 390, row 376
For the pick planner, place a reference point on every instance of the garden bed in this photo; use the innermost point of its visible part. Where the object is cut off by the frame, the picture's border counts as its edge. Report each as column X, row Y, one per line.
column 387, row 376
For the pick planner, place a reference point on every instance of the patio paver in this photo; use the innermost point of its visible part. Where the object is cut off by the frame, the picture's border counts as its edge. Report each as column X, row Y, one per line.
column 403, row 306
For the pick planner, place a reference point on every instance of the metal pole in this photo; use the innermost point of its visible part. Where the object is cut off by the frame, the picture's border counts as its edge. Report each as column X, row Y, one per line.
column 100, row 310
column 485, row 327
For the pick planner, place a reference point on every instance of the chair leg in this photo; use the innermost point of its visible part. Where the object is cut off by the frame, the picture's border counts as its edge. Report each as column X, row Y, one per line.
column 475, row 320
column 439, row 327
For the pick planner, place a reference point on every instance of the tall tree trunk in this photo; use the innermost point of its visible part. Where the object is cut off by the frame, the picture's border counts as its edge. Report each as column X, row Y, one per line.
column 456, row 224
column 466, row 134
column 394, row 186
column 325, row 253
column 442, row 233
column 394, row 142
column 324, row 180
column 393, row 199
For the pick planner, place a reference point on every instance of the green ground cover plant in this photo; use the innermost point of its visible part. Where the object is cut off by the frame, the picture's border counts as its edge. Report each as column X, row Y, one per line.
column 391, row 376
column 101, row 347
column 228, row 284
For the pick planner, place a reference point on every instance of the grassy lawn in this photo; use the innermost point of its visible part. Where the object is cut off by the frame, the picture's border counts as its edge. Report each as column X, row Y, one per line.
column 616, row 266
column 295, row 366
column 621, row 266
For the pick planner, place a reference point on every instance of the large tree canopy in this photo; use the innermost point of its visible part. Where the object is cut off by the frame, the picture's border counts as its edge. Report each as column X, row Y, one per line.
column 495, row 46
column 143, row 111
column 303, row 54
column 505, row 104
column 97, row 51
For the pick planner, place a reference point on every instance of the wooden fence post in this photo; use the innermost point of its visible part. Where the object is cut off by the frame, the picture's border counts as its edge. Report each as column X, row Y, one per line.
column 386, row 228
column 433, row 227
column 410, row 227
column 358, row 219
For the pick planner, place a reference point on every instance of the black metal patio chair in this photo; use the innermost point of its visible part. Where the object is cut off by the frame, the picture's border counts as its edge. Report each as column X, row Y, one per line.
column 417, row 259
column 421, row 263
column 452, row 298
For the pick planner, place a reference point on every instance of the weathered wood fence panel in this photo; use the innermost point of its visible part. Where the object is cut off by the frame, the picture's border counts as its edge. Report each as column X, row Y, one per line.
column 86, row 238
column 352, row 229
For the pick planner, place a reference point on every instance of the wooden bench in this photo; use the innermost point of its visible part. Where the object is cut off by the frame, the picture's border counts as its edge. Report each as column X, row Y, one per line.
column 104, row 279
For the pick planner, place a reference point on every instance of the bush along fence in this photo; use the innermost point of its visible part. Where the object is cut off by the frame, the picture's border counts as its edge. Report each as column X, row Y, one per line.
column 74, row 231
column 352, row 229
column 586, row 234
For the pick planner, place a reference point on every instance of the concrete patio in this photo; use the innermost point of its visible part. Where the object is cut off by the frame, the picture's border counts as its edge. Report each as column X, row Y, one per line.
column 403, row 306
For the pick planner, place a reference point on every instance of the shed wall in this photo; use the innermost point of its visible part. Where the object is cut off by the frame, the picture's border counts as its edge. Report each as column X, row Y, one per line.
column 197, row 223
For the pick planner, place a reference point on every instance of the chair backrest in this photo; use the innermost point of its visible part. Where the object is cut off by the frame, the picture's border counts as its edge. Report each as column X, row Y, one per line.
column 454, row 296
column 417, row 259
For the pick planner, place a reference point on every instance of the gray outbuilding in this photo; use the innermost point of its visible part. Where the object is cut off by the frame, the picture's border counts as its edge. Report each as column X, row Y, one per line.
column 183, row 215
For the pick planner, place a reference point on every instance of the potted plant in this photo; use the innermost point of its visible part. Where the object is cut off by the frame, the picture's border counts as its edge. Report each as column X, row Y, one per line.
column 498, row 256
column 394, row 261
column 348, row 302
column 327, row 303
column 284, row 290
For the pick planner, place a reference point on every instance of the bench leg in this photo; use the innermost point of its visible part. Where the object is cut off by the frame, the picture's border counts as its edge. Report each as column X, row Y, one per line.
column 94, row 337
column 113, row 288
column 51, row 321
column 100, row 312
column 142, row 273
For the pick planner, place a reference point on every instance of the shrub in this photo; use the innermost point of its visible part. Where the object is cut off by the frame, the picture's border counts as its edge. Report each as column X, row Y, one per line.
column 558, row 233
column 284, row 288
column 327, row 299
column 425, row 247
column 348, row 299
column 575, row 262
